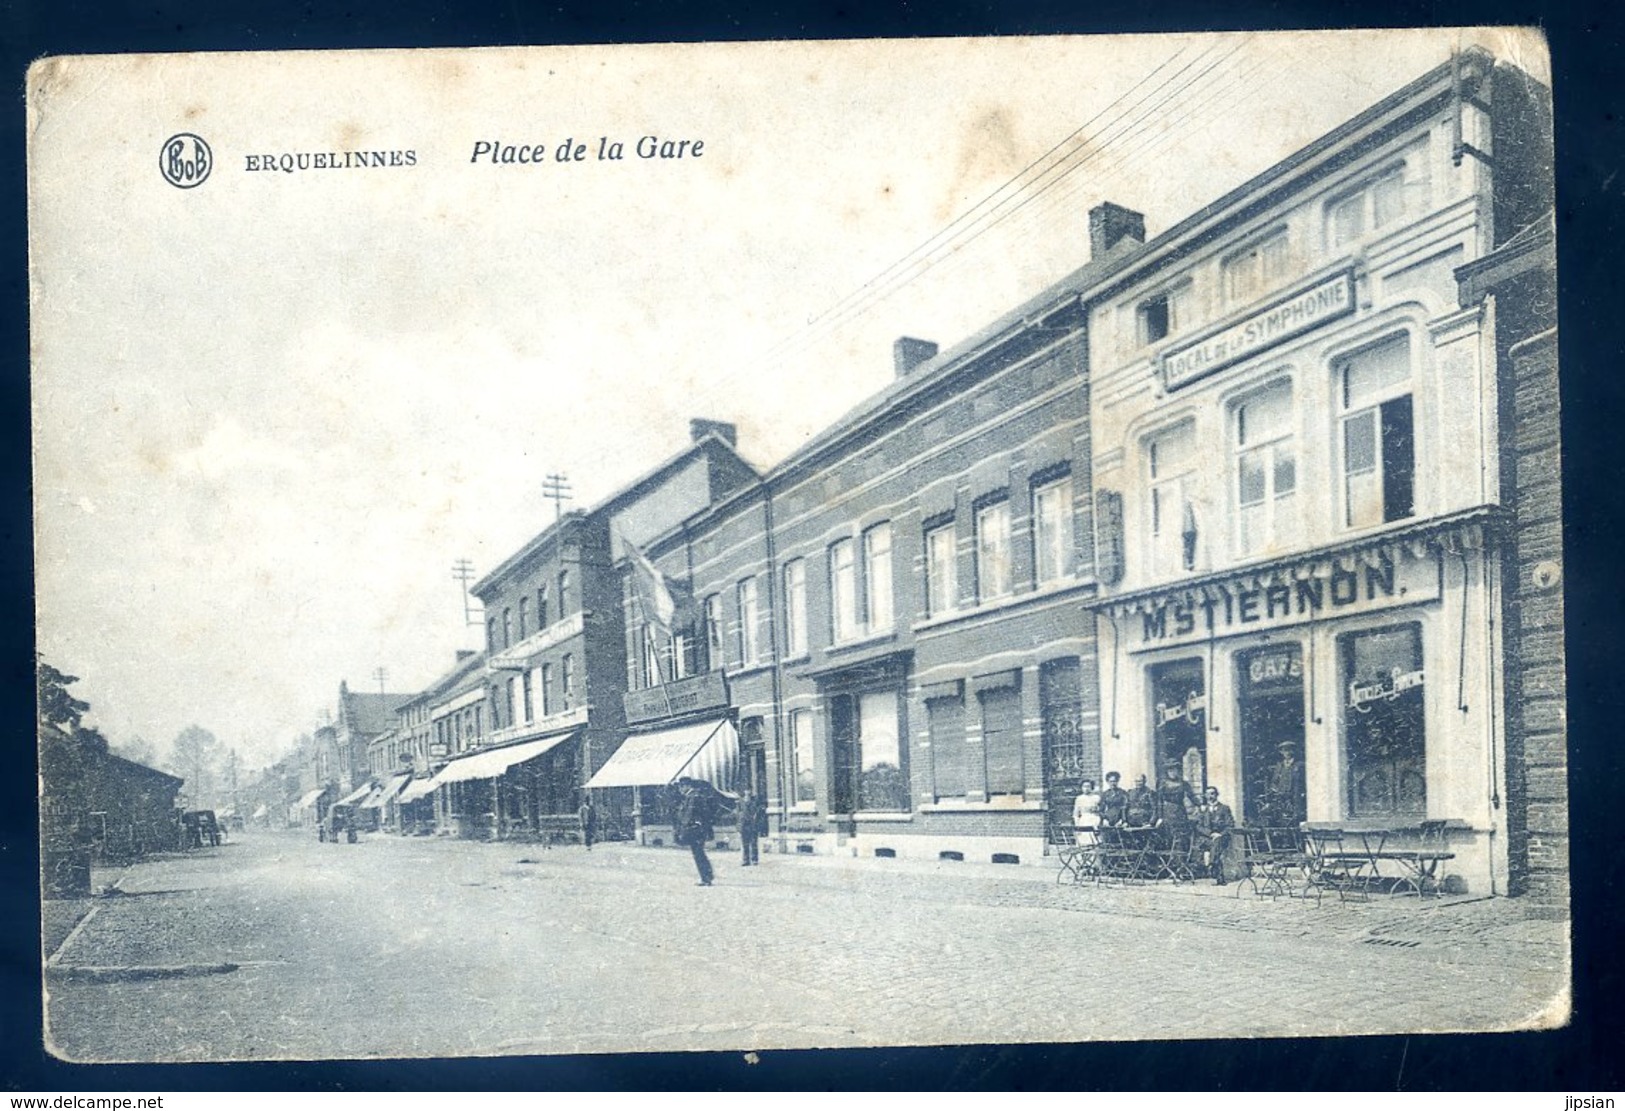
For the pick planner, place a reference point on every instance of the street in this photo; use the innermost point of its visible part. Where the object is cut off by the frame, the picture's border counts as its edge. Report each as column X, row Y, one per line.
column 275, row 946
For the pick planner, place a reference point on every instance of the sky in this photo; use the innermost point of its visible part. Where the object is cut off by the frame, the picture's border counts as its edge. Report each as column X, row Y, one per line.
column 271, row 411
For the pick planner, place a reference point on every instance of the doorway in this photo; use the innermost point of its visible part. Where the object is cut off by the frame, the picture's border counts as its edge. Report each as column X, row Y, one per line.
column 1270, row 705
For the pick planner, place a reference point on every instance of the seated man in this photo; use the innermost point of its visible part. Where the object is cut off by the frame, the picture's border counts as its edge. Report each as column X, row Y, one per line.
column 1141, row 807
column 1214, row 823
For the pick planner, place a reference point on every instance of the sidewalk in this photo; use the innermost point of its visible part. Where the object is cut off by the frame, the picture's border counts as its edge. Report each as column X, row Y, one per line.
column 1467, row 924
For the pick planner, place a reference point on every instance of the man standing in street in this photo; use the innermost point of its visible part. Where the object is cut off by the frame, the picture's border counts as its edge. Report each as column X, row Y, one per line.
column 752, row 824
column 589, row 822
column 695, row 822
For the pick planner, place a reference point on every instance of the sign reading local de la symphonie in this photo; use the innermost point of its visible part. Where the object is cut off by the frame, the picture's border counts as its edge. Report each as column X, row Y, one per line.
column 1291, row 316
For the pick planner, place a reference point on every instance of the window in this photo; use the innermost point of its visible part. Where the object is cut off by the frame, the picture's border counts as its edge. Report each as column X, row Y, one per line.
column 745, row 595
column 564, row 594
column 649, row 651
column 566, row 680
column 541, row 608
column 507, row 627
column 530, row 709
column 843, row 588
column 1165, row 313
column 1384, row 723
column 1266, row 473
column 515, row 701
column 1179, row 719
column 1001, row 741
column 1378, row 202
column 682, row 655
column 524, row 616
column 1256, row 269
column 941, row 585
column 945, row 720
column 880, row 759
column 801, row 753
column 713, row 632
column 1171, row 466
column 1052, row 530
column 547, row 689
column 993, row 551
column 795, row 607
column 877, row 586
column 490, row 634
column 1379, row 437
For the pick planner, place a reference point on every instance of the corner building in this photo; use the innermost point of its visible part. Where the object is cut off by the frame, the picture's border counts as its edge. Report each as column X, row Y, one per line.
column 1302, row 516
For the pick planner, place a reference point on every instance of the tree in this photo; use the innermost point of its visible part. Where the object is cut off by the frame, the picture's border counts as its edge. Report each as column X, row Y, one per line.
column 56, row 706
column 194, row 755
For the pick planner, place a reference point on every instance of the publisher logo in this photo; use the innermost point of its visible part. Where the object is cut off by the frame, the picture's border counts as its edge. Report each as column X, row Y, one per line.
column 185, row 160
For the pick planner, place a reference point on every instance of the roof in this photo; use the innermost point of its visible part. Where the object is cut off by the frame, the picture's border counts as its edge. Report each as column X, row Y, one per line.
column 370, row 713
column 710, row 441
column 447, row 680
column 135, row 768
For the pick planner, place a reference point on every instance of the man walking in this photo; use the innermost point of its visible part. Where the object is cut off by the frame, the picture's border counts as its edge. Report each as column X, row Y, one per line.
column 696, row 813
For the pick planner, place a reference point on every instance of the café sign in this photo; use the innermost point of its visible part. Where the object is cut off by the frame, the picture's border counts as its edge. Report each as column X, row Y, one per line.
column 1283, row 598
column 1286, row 318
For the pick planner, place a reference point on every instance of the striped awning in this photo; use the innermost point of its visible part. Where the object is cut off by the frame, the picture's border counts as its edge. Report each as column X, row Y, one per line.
column 387, row 792
column 707, row 750
column 492, row 762
column 356, row 795
column 417, row 789
column 309, row 800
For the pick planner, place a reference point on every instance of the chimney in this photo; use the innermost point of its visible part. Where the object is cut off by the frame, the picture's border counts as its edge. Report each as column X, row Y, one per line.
column 1110, row 224
column 698, row 429
column 908, row 353
column 465, row 654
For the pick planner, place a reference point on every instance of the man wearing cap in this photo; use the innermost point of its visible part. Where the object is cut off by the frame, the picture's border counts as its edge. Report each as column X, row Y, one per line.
column 1113, row 803
column 1284, row 792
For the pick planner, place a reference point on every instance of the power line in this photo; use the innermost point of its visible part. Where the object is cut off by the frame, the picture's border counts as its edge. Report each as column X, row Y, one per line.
column 556, row 488
column 463, row 572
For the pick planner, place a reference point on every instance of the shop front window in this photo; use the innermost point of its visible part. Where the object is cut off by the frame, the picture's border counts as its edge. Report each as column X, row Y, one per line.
column 868, row 771
column 1379, row 438
column 1179, row 720
column 1266, row 473
column 1384, row 724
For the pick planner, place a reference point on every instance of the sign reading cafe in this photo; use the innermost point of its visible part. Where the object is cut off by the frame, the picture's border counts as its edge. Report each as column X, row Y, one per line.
column 1291, row 316
column 1286, row 596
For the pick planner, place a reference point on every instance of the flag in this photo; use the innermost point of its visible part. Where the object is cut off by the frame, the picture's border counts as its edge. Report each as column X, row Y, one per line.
column 653, row 594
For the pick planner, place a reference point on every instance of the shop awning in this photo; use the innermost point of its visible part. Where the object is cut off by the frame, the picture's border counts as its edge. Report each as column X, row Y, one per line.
column 417, row 789
column 494, row 761
column 707, row 750
column 356, row 795
column 386, row 792
column 260, row 811
column 310, row 800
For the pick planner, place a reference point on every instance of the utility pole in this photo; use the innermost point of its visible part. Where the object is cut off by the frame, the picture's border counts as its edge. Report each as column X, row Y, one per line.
column 463, row 572
column 380, row 674
column 556, row 487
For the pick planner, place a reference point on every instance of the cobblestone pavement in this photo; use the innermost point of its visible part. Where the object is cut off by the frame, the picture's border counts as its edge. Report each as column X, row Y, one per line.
column 398, row 947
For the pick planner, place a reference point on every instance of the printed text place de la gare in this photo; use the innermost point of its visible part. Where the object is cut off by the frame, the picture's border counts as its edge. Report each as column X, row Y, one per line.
column 498, row 152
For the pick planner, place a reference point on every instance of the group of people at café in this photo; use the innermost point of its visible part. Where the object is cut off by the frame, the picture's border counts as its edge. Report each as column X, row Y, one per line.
column 1173, row 813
